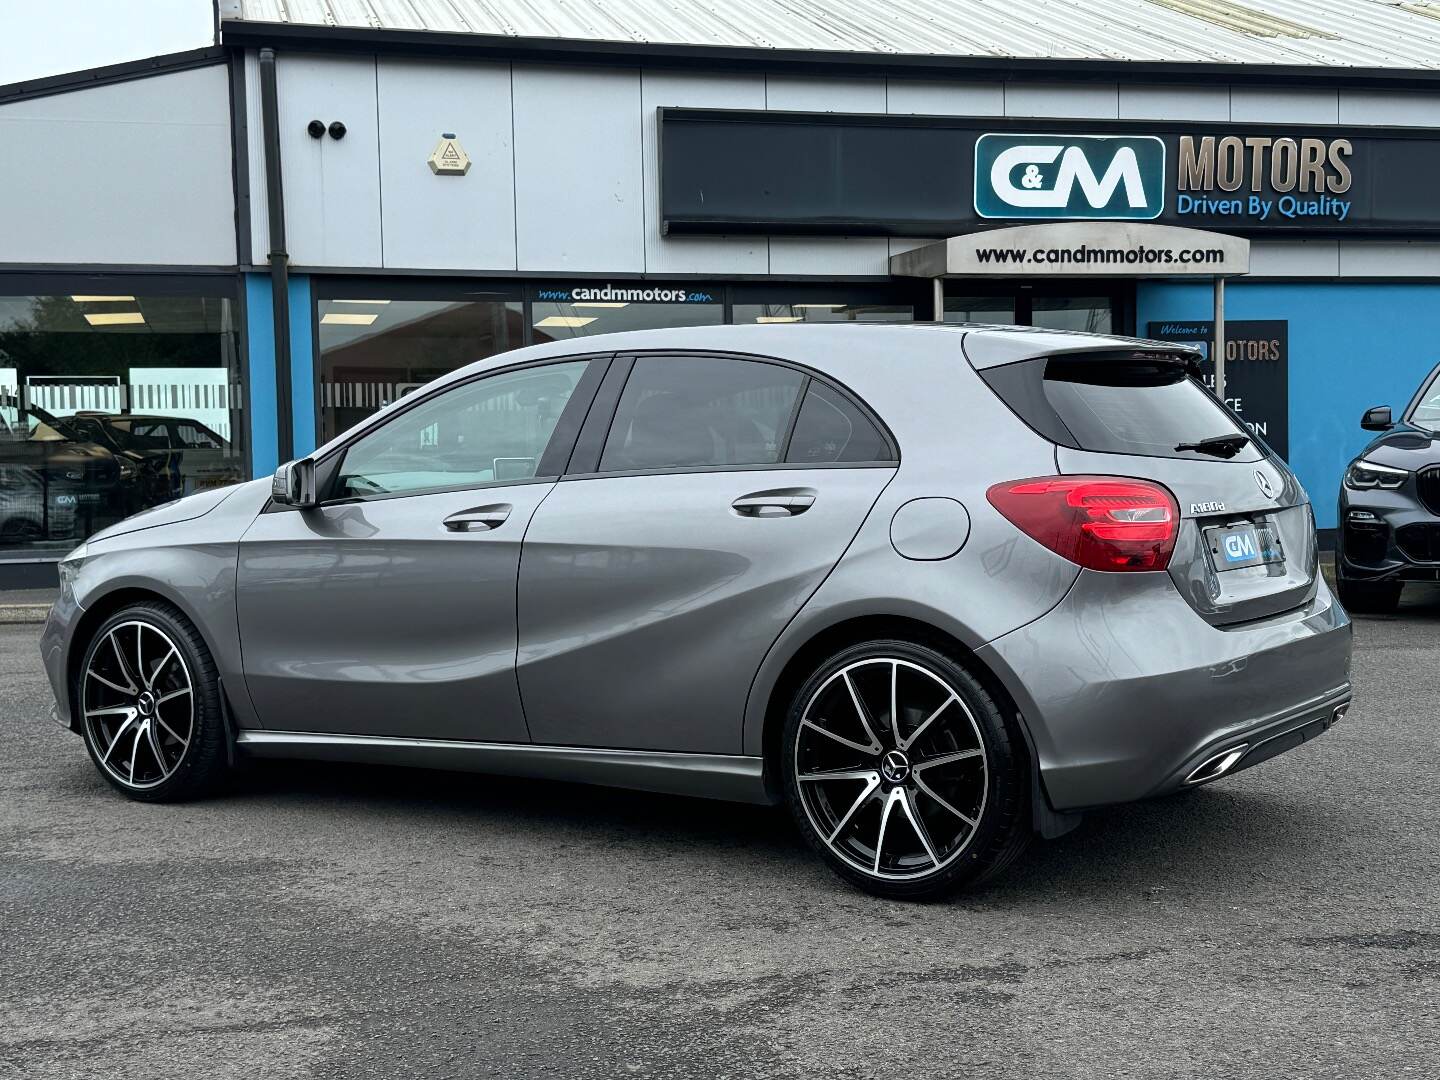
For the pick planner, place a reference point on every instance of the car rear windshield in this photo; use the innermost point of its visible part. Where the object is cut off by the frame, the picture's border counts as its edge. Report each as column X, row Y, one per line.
column 1117, row 405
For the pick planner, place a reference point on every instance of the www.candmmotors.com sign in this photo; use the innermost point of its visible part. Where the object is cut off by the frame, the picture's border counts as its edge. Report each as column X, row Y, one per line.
column 728, row 171
column 1075, row 176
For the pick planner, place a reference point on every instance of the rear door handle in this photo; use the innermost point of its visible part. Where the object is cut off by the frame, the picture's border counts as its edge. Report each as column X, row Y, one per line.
column 786, row 502
column 478, row 518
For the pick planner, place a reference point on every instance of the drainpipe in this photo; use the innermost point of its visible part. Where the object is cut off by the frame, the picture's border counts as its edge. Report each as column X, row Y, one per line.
column 279, row 260
column 1218, row 348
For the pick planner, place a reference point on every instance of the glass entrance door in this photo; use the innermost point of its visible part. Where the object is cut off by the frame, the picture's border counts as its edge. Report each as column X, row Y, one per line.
column 1106, row 309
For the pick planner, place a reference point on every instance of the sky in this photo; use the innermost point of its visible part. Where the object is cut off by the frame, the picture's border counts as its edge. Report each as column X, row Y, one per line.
column 50, row 37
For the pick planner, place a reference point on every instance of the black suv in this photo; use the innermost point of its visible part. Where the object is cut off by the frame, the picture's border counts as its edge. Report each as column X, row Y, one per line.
column 1390, row 505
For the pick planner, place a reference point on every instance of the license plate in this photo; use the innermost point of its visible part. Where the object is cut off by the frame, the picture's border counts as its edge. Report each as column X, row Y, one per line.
column 1234, row 547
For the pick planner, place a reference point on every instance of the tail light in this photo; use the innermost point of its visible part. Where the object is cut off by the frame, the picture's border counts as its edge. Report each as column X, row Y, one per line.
column 1101, row 522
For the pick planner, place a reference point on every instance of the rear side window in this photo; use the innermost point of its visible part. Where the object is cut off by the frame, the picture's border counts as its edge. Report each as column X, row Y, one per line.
column 697, row 411
column 1123, row 405
column 831, row 428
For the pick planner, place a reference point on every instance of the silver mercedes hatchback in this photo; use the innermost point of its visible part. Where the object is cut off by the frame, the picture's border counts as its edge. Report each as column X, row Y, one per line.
column 937, row 589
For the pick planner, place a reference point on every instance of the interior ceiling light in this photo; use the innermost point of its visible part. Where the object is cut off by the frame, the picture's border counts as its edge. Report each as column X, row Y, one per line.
column 600, row 303
column 1241, row 19
column 101, row 299
column 817, row 305
column 340, row 318
column 359, row 301
column 779, row 318
column 114, row 318
column 566, row 320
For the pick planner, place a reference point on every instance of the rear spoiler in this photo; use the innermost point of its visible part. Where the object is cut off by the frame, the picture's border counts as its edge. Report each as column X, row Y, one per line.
column 995, row 349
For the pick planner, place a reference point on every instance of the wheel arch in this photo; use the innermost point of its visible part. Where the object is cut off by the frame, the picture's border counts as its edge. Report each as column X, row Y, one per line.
column 98, row 609
column 824, row 642
column 855, row 629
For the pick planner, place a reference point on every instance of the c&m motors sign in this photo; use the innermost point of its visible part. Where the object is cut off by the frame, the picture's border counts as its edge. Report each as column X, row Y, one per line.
column 765, row 172
column 1106, row 177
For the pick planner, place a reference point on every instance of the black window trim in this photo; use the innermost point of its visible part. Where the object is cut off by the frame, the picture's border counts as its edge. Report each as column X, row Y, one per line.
column 602, row 418
column 557, row 450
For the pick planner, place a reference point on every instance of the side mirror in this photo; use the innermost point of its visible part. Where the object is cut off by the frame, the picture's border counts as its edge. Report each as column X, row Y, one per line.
column 1377, row 419
column 294, row 484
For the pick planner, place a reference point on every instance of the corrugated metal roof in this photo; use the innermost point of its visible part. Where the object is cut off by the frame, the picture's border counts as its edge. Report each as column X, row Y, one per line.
column 1398, row 34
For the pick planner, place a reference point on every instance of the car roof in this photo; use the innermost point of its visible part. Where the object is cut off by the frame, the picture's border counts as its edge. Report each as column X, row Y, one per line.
column 861, row 356
column 801, row 341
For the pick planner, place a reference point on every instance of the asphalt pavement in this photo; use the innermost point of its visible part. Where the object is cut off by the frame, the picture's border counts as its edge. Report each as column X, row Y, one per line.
column 344, row 921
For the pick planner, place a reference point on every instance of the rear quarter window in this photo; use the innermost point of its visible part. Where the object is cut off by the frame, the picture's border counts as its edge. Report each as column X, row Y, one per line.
column 1149, row 408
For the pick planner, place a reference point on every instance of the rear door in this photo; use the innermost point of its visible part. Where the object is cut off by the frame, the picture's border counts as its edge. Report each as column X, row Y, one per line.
column 694, row 527
column 1246, row 547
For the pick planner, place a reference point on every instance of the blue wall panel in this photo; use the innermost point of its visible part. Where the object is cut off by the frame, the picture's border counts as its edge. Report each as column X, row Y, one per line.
column 302, row 365
column 1351, row 346
column 260, row 337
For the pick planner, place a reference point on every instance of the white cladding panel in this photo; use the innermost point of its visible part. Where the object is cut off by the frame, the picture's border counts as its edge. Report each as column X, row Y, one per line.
column 135, row 172
column 824, row 95
column 579, row 192
column 1099, row 102
column 1264, row 105
column 1174, row 103
column 438, row 222
column 332, row 186
column 929, row 98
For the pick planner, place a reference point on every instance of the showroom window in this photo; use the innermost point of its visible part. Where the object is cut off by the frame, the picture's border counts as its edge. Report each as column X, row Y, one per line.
column 822, row 311
column 111, row 402
column 980, row 309
column 552, row 320
column 375, row 351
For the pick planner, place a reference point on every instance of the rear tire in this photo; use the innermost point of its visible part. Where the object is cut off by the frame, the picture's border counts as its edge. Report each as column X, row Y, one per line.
column 913, row 811
column 1369, row 597
column 149, row 705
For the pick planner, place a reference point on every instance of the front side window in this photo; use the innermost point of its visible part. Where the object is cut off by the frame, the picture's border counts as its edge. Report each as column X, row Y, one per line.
column 491, row 430
column 697, row 412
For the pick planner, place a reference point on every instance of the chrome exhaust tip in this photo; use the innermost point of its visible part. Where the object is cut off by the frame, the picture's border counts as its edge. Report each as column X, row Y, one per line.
column 1339, row 713
column 1212, row 768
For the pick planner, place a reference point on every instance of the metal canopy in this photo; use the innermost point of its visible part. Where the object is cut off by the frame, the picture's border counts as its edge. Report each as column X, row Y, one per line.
column 1079, row 249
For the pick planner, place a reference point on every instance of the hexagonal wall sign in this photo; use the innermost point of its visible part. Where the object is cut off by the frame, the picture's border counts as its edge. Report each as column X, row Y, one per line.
column 449, row 157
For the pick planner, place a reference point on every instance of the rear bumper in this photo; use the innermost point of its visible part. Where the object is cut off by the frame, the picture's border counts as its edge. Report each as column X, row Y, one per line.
column 1125, row 690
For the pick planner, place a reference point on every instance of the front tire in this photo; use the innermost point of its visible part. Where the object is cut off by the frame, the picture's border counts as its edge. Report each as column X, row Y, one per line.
column 1369, row 597
column 901, row 771
column 150, row 706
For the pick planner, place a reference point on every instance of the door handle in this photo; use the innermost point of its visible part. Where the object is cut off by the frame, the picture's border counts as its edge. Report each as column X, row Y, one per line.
column 785, row 502
column 478, row 518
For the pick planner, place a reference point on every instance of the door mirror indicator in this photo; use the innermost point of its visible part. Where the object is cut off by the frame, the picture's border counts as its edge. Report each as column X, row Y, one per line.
column 1377, row 419
column 294, row 484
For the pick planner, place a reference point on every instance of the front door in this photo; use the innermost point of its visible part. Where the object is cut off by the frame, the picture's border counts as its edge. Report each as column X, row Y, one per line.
column 390, row 608
column 651, row 589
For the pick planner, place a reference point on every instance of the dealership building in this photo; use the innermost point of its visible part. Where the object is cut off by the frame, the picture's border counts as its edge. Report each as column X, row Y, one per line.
column 214, row 261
